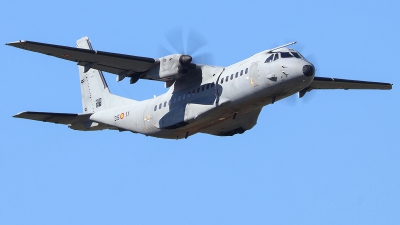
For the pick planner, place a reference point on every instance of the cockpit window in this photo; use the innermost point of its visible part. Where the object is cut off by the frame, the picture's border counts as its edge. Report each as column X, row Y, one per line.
column 286, row 55
column 276, row 56
column 269, row 59
column 296, row 55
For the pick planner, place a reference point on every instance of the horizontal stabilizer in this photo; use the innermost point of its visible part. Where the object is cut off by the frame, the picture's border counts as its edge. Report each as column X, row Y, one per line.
column 74, row 121
column 62, row 118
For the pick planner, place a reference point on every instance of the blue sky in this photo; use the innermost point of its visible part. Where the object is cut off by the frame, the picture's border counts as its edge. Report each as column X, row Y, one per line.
column 330, row 158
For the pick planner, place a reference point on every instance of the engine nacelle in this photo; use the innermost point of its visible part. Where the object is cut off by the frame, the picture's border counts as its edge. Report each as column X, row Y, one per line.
column 169, row 66
column 172, row 67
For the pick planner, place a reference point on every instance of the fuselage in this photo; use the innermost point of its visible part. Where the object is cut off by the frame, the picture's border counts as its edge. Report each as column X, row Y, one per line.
column 221, row 101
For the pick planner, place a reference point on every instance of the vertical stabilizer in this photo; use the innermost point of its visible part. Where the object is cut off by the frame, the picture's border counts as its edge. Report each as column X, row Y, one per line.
column 95, row 93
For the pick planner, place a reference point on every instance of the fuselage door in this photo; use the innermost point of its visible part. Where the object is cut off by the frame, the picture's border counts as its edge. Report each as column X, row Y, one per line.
column 254, row 75
column 218, row 86
column 148, row 115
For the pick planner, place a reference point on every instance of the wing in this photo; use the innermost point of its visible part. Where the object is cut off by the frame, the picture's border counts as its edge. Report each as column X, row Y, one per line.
column 74, row 121
column 106, row 61
column 335, row 83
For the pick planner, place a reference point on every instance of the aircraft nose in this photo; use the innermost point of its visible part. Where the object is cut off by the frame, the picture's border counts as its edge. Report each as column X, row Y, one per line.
column 308, row 70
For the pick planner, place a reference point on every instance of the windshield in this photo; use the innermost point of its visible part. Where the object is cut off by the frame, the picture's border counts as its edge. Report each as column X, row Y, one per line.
column 291, row 54
column 296, row 54
column 269, row 59
column 286, row 55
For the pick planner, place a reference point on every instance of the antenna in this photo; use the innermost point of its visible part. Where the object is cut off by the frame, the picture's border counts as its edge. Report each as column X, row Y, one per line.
column 291, row 43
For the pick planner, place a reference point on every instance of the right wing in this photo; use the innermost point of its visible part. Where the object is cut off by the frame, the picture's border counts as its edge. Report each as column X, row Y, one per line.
column 74, row 121
column 105, row 61
column 336, row 83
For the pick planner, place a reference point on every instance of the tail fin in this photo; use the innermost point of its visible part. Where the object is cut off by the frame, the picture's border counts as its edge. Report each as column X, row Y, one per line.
column 95, row 93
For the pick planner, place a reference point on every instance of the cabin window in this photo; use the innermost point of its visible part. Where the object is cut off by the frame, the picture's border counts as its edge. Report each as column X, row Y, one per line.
column 222, row 80
column 165, row 103
column 179, row 98
column 232, row 77
column 247, row 70
column 159, row 107
column 212, row 84
column 208, row 86
column 193, row 92
column 226, row 78
column 174, row 100
column 241, row 73
column 202, row 88
column 155, row 107
column 198, row 90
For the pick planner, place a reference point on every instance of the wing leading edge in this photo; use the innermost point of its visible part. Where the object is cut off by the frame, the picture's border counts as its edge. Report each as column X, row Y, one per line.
column 344, row 84
column 106, row 61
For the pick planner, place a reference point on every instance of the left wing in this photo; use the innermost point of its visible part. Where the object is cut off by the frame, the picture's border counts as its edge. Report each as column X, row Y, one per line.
column 106, row 61
column 335, row 83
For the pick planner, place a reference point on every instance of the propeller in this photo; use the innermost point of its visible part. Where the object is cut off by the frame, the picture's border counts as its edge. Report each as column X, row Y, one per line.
column 294, row 99
column 190, row 44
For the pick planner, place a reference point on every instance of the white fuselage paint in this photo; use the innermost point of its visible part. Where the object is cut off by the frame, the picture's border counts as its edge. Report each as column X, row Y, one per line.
column 216, row 109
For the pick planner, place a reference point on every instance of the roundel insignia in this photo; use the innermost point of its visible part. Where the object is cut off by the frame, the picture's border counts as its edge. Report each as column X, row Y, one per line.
column 121, row 116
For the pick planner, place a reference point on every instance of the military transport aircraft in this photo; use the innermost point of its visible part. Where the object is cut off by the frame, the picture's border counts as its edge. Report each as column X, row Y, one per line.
column 221, row 101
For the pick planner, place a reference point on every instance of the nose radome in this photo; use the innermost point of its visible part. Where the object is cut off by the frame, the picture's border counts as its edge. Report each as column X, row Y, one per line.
column 308, row 70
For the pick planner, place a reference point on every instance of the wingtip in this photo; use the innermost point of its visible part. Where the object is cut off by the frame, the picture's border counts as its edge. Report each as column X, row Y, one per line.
column 15, row 43
column 18, row 115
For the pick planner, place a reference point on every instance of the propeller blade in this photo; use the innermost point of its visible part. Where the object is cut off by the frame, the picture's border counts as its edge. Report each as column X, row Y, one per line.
column 174, row 38
column 291, row 100
column 190, row 45
column 195, row 42
column 163, row 51
column 204, row 58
